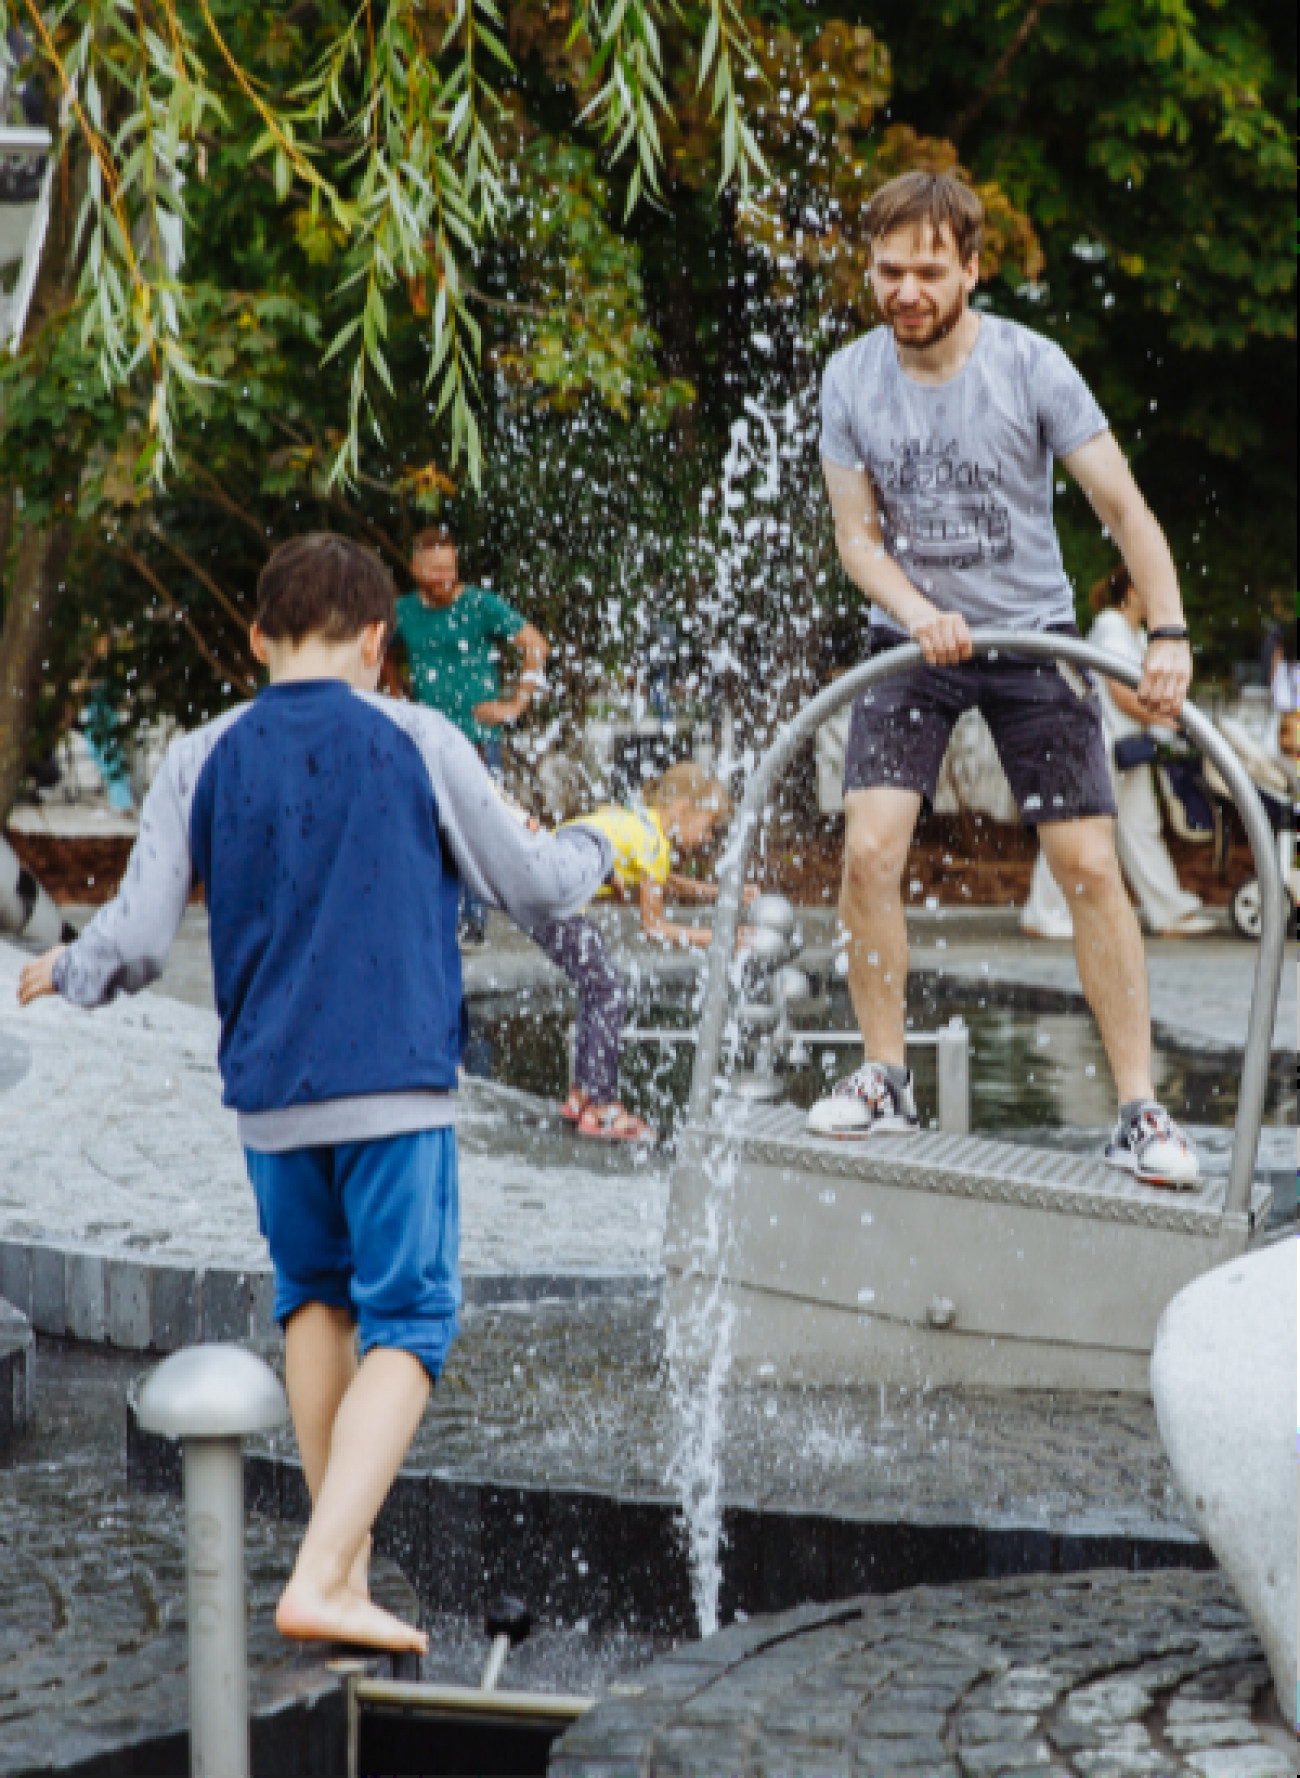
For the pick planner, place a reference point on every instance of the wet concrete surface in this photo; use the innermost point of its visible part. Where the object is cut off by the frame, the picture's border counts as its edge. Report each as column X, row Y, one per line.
column 577, row 1395
column 548, row 1461
column 1097, row 1676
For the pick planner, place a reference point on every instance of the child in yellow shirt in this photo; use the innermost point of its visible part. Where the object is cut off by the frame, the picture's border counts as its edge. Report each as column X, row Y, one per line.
column 683, row 810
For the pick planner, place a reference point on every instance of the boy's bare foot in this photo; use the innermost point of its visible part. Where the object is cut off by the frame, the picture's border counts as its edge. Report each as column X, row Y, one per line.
column 306, row 1615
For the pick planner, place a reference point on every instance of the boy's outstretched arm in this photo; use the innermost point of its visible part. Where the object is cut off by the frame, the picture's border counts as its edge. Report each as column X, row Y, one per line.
column 534, row 877
column 125, row 946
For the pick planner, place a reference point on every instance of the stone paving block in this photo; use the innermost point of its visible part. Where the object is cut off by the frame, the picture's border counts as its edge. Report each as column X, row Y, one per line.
column 582, row 1558
column 49, row 1310
column 1243, row 1762
column 227, row 1305
column 174, row 1307
column 262, row 1292
column 455, row 1575
column 16, row 1276
column 1151, row 1554
column 261, row 1484
column 886, row 1758
column 654, row 1568
column 1080, row 1554
column 87, row 1297
column 130, row 1311
column 295, row 1499
column 741, row 1588
column 402, row 1530
column 1008, row 1759
column 1019, row 1550
column 796, row 1559
column 514, row 1534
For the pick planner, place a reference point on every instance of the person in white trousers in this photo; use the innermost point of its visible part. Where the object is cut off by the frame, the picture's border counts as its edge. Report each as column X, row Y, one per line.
column 1171, row 910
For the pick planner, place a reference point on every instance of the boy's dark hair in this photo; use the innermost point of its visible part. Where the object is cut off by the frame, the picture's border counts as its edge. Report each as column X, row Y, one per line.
column 937, row 200
column 1111, row 589
column 326, row 586
column 433, row 537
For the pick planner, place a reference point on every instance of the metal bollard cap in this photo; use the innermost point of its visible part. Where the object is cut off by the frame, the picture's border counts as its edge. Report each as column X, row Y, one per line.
column 773, row 911
column 767, row 948
column 212, row 1392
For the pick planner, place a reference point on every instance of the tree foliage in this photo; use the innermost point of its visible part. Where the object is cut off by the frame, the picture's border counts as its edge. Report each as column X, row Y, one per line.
column 602, row 252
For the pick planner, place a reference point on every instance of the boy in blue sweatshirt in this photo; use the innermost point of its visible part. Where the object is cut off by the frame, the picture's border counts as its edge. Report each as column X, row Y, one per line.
column 332, row 829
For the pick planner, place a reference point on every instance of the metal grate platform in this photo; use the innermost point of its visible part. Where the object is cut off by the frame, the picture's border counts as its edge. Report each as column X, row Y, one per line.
column 976, row 1167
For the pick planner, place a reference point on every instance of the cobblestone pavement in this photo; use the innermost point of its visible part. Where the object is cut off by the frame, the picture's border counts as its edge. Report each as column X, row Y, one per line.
column 1096, row 1676
column 92, row 1631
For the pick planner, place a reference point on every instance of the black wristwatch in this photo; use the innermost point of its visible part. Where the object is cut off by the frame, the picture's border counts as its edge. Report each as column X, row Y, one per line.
column 1169, row 633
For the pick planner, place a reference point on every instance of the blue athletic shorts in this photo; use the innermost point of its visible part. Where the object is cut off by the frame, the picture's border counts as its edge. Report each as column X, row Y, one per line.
column 371, row 1227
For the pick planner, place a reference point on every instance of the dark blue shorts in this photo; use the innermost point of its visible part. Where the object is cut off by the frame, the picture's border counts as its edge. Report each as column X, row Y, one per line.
column 1048, row 736
column 370, row 1227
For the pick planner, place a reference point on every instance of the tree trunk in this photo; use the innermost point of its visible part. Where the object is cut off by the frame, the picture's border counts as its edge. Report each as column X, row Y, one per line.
column 8, row 505
column 36, row 583
column 33, row 596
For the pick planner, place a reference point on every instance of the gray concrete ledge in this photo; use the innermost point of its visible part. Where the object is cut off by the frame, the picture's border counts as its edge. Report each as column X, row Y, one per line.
column 16, row 1346
column 146, row 1306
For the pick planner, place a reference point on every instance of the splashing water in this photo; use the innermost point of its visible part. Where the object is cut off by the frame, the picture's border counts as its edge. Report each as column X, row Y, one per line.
column 698, row 1346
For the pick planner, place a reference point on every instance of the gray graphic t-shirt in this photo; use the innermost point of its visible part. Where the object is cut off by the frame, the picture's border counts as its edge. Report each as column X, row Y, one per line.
column 962, row 470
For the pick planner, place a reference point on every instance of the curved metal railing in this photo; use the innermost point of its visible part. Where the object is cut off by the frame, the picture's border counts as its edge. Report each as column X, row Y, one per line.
column 1198, row 729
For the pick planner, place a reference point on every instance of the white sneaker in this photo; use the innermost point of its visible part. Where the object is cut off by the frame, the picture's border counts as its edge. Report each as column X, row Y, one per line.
column 866, row 1103
column 1190, row 926
column 1154, row 1150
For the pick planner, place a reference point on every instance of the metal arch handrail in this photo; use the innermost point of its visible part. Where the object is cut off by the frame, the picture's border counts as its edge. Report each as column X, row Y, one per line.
column 1198, row 729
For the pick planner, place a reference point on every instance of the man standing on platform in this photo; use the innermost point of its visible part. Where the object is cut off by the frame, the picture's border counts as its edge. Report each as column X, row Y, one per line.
column 940, row 431
column 453, row 635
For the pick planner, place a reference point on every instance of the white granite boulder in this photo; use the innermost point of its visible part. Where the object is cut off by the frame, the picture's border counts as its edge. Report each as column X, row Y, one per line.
column 1223, row 1375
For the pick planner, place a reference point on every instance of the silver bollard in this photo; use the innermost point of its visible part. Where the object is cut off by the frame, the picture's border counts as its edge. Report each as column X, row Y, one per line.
column 212, row 1398
column 952, row 1056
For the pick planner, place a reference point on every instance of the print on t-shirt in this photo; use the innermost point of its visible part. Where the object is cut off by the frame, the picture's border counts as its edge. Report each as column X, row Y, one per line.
column 941, row 508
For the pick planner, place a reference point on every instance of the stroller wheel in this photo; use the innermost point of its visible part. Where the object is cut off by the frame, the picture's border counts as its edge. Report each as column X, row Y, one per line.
column 1247, row 909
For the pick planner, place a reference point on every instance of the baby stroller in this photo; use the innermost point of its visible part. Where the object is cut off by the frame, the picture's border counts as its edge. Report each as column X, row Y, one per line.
column 1274, row 777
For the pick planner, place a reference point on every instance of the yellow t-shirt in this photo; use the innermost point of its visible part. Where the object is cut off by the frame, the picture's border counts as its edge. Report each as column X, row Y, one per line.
column 641, row 849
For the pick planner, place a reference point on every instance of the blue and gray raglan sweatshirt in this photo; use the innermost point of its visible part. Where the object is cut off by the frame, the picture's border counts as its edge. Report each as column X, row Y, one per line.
column 331, row 830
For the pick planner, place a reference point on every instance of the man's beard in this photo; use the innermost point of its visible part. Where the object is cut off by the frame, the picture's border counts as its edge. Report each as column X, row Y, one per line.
column 939, row 329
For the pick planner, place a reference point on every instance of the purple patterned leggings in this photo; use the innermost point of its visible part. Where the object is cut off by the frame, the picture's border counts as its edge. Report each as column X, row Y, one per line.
column 577, row 947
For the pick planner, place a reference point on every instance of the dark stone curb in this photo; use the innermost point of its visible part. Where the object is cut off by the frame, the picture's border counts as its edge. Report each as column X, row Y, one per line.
column 142, row 1305
column 616, row 1561
column 16, row 1354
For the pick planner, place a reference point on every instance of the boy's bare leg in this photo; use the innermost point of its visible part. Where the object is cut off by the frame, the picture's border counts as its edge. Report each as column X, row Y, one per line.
column 372, row 1431
column 878, row 828
column 320, row 1361
column 1107, row 945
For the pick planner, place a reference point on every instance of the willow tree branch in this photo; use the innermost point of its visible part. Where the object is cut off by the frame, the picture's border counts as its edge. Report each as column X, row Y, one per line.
column 200, row 574
column 975, row 110
column 146, row 573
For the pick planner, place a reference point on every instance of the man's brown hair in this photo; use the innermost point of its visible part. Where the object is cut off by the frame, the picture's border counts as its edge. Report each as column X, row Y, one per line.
column 934, row 200
column 325, row 586
column 432, row 537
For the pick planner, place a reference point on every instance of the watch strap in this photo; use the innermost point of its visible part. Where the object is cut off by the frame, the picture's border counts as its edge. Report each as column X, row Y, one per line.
column 1169, row 633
